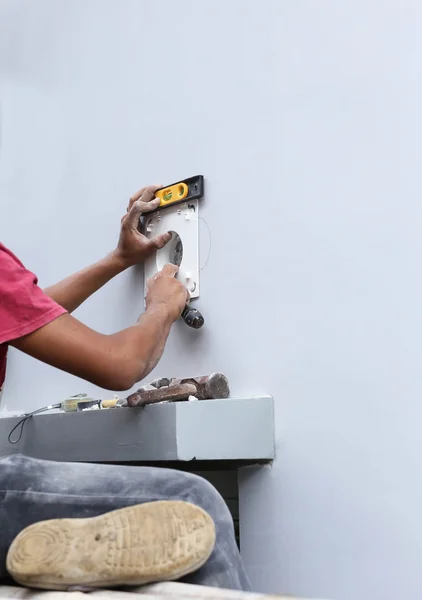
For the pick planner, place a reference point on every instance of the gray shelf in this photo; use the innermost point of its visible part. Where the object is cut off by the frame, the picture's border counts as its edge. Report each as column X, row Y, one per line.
column 236, row 429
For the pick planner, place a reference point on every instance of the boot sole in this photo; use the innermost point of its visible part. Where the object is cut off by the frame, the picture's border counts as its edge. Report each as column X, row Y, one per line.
column 155, row 541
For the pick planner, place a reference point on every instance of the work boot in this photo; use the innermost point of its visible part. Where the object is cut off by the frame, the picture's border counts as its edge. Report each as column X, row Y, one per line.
column 155, row 541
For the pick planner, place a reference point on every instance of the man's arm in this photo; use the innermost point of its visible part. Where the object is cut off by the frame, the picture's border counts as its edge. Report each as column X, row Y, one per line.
column 133, row 248
column 75, row 289
column 114, row 361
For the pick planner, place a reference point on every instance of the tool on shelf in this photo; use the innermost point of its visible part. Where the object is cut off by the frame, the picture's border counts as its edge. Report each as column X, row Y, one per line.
column 206, row 387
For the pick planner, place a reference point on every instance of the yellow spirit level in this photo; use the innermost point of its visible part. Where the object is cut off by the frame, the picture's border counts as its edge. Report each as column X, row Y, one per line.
column 181, row 191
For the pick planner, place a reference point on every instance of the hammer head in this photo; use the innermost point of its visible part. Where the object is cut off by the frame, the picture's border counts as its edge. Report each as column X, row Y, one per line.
column 208, row 387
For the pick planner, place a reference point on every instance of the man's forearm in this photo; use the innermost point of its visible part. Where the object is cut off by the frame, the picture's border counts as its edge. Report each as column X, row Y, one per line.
column 114, row 362
column 72, row 291
column 142, row 345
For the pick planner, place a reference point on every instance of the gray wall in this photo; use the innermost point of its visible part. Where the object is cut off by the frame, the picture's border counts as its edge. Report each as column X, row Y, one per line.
column 305, row 118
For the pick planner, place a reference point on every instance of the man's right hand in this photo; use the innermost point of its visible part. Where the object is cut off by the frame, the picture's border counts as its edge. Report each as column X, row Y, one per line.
column 164, row 290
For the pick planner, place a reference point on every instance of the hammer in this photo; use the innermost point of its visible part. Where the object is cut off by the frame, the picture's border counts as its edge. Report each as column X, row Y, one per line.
column 206, row 387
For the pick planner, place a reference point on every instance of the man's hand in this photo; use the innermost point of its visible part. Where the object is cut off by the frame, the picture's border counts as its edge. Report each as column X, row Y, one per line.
column 133, row 246
column 163, row 290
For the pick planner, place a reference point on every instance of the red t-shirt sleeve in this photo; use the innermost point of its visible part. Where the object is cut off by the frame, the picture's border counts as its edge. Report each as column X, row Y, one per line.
column 24, row 307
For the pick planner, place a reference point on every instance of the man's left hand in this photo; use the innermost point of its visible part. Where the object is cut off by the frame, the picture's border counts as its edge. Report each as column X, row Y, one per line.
column 133, row 246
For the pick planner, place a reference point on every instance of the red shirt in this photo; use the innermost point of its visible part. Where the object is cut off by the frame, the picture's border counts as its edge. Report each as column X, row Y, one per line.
column 24, row 307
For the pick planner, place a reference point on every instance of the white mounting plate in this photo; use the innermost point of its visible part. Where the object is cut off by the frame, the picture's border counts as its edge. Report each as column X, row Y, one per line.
column 183, row 220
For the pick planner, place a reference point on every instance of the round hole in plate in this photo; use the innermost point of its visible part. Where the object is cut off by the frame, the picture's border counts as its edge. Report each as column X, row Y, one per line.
column 171, row 253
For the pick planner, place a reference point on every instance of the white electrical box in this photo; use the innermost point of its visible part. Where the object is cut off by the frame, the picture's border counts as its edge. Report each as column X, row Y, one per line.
column 183, row 249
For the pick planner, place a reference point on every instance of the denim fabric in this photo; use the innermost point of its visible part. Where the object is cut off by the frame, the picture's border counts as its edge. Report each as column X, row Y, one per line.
column 34, row 490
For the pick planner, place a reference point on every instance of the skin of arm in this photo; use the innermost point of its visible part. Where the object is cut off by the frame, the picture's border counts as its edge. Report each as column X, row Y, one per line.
column 116, row 361
column 119, row 360
column 75, row 289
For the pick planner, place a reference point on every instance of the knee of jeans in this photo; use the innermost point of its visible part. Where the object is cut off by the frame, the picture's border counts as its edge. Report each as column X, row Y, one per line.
column 204, row 494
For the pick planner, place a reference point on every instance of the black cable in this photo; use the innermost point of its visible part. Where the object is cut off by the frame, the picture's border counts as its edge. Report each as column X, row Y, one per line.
column 24, row 419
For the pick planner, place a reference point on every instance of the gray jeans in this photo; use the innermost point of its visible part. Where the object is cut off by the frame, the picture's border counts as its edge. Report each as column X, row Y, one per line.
column 33, row 490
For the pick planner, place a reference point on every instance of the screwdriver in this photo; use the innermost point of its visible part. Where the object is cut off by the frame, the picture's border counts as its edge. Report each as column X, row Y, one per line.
column 192, row 317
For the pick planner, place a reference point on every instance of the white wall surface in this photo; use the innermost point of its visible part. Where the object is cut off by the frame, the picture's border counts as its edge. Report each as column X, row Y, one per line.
column 305, row 117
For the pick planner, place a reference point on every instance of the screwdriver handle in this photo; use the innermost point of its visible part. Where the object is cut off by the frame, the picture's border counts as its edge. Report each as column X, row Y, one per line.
column 192, row 317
